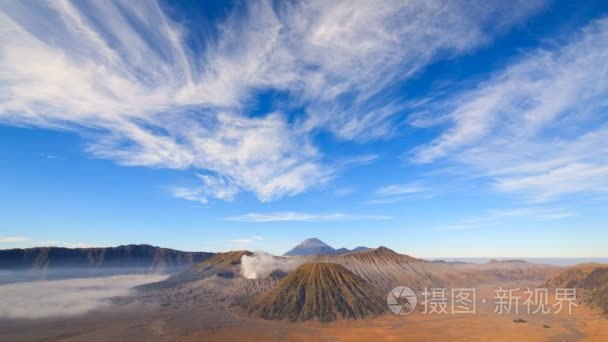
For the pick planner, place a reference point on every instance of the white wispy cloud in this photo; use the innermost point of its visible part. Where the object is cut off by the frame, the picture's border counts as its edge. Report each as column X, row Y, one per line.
column 361, row 49
column 344, row 191
column 400, row 189
column 459, row 226
column 247, row 240
column 52, row 157
column 14, row 239
column 303, row 217
column 212, row 186
column 386, row 200
column 27, row 242
column 148, row 102
column 359, row 160
column 121, row 74
column 66, row 244
column 569, row 178
column 535, row 212
column 398, row 192
column 537, row 127
column 497, row 216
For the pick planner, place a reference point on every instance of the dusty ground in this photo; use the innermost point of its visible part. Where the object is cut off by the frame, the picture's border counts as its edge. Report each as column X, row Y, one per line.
column 216, row 323
column 585, row 324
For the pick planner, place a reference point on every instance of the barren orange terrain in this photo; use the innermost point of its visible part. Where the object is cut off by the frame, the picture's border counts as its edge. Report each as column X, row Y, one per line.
column 212, row 302
column 585, row 324
column 207, row 323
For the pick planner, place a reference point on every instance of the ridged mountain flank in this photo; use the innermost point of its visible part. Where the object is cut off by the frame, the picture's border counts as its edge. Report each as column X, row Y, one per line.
column 319, row 291
column 385, row 269
column 225, row 265
column 590, row 278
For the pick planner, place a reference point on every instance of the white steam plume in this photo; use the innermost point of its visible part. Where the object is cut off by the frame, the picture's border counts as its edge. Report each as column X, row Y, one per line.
column 261, row 264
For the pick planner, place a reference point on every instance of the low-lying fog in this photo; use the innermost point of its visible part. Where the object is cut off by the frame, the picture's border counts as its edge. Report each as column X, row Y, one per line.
column 27, row 275
column 40, row 299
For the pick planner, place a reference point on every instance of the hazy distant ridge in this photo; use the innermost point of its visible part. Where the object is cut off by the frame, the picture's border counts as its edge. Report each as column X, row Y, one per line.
column 148, row 258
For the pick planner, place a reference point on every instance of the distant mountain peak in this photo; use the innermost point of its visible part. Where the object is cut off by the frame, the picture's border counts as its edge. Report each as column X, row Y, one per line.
column 313, row 242
column 383, row 253
column 342, row 250
column 509, row 261
column 312, row 246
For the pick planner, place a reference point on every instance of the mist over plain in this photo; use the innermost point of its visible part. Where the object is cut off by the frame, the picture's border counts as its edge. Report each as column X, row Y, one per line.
column 69, row 297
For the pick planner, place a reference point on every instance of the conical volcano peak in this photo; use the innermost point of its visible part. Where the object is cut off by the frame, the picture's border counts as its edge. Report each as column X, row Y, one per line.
column 312, row 246
column 313, row 242
column 323, row 291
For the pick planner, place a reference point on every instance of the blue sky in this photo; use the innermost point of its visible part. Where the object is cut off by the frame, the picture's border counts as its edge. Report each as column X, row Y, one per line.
column 438, row 129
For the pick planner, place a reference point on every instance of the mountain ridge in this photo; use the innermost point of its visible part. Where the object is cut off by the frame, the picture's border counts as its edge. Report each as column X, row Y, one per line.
column 590, row 278
column 314, row 246
column 147, row 258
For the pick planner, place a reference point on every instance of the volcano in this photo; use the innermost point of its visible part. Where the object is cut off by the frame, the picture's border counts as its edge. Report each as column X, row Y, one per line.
column 314, row 246
column 311, row 246
column 319, row 291
column 225, row 265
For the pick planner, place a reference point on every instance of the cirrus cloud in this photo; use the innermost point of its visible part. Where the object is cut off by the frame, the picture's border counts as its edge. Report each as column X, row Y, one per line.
column 14, row 239
column 303, row 217
column 122, row 74
column 538, row 127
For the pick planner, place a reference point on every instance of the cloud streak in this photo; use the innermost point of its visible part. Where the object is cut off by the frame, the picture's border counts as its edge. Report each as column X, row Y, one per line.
column 398, row 192
column 14, row 239
column 122, row 75
column 247, row 240
column 400, row 189
column 535, row 128
column 494, row 217
column 303, row 217
column 28, row 242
